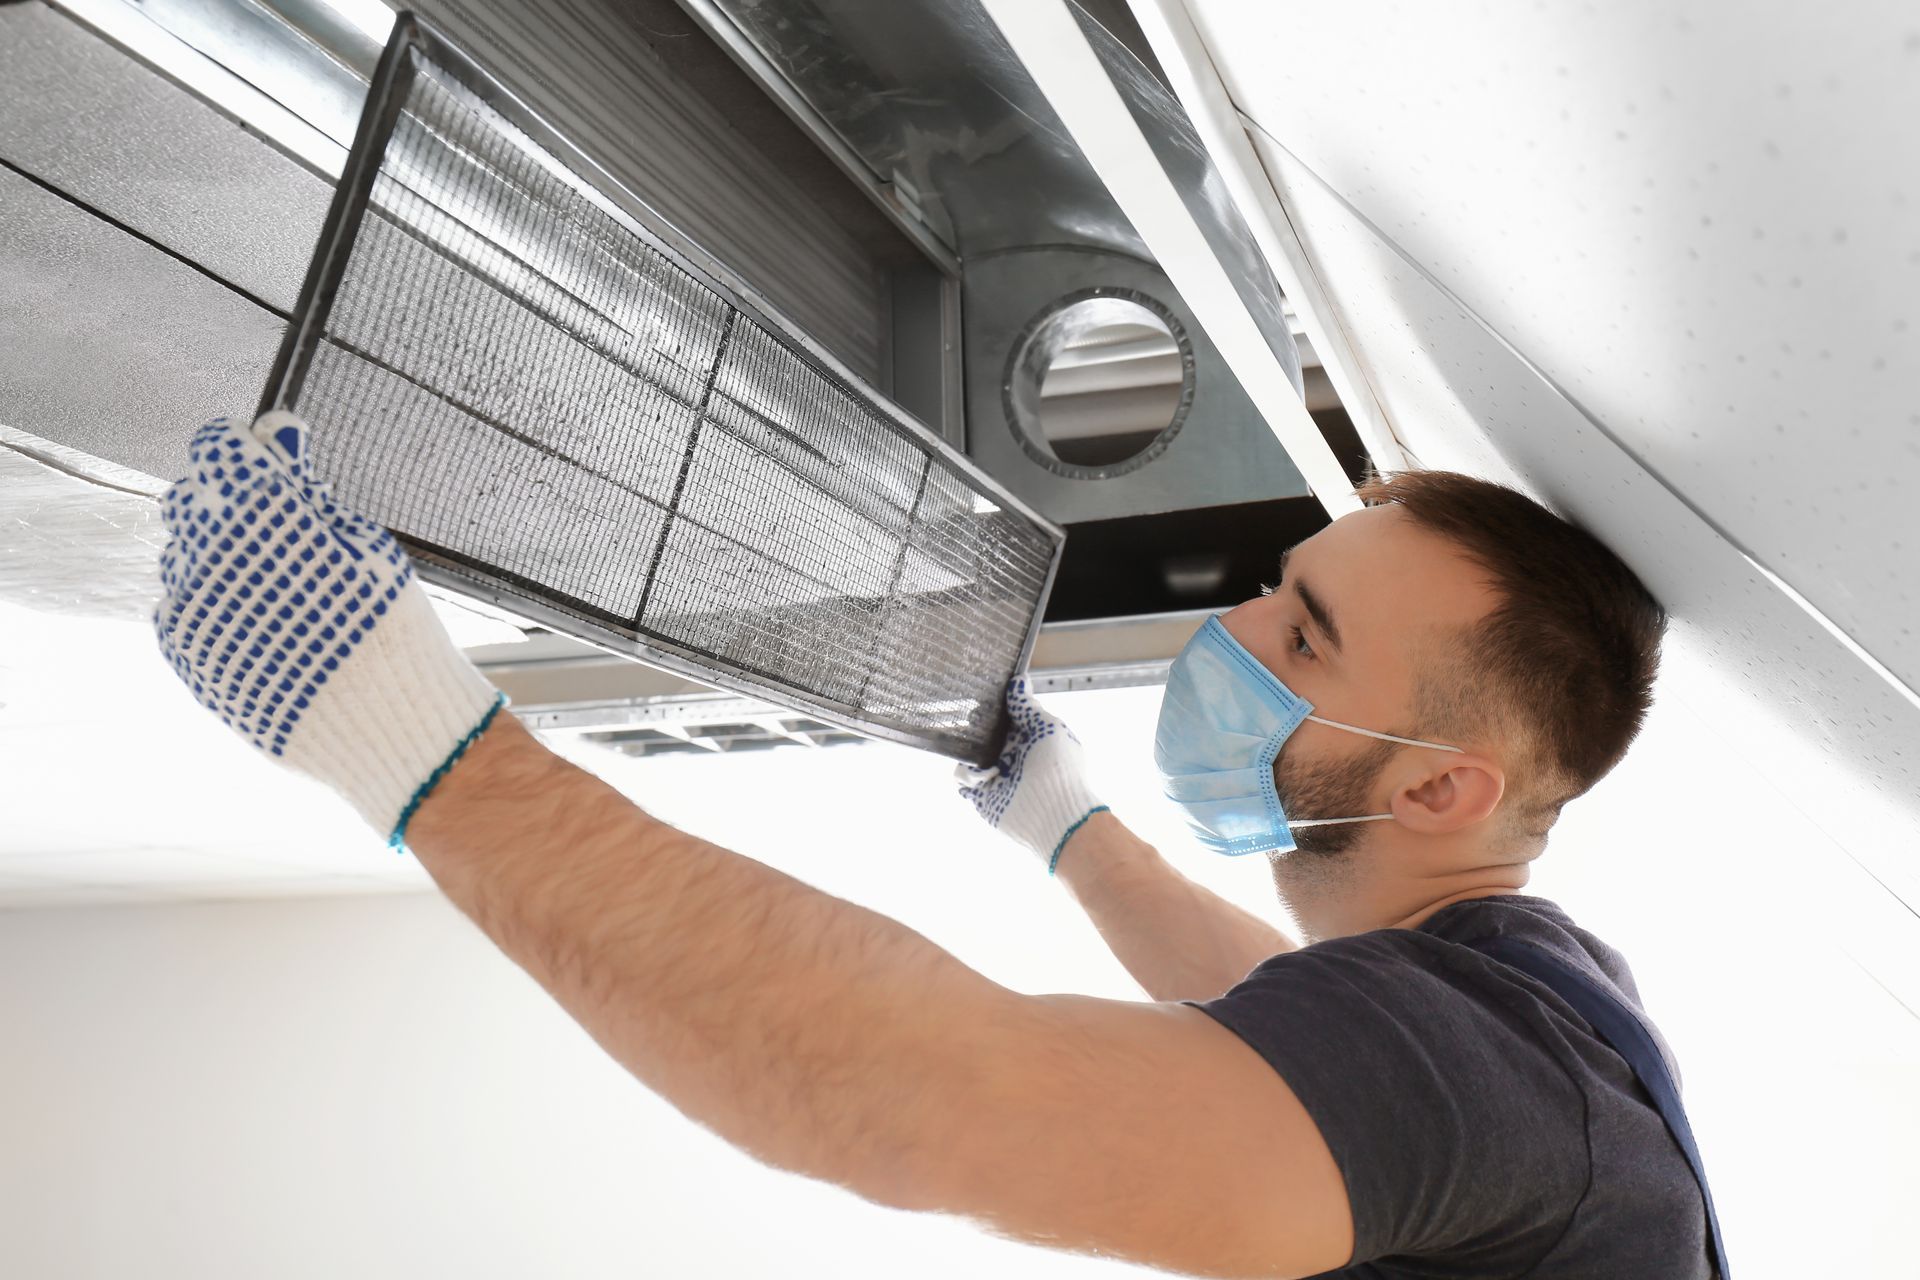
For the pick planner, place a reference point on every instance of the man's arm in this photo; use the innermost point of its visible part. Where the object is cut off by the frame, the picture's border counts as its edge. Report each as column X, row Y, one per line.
column 826, row 1039
column 815, row 1034
column 1179, row 940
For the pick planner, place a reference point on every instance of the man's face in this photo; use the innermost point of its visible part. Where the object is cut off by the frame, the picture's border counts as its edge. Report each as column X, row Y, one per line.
column 1344, row 629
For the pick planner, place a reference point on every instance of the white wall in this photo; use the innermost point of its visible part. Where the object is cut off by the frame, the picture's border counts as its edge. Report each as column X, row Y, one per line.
column 365, row 1087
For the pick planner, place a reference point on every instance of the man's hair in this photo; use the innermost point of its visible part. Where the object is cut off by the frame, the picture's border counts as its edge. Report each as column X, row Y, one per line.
column 1561, row 670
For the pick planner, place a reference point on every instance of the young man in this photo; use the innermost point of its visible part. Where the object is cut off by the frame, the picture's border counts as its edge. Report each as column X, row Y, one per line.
column 1386, row 1099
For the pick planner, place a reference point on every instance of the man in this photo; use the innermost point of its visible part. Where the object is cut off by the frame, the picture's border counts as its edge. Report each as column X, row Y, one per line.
column 1384, row 1101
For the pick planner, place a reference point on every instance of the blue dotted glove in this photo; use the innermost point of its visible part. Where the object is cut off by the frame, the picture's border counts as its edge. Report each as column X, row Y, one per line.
column 301, row 624
column 1037, row 791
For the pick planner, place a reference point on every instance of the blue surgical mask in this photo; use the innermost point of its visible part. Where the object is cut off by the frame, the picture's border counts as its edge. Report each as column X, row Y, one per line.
column 1222, row 724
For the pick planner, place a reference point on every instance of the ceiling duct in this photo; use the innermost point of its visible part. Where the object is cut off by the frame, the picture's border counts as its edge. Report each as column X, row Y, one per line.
column 118, row 147
column 1091, row 390
column 940, row 175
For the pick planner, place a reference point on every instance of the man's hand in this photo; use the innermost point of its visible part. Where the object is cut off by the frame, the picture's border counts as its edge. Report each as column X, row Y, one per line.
column 1179, row 940
column 301, row 625
column 1037, row 792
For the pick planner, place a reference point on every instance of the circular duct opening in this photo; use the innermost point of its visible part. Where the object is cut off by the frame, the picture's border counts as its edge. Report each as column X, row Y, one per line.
column 1099, row 383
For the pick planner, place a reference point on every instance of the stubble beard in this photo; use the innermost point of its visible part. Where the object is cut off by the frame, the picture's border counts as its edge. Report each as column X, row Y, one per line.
column 1323, row 863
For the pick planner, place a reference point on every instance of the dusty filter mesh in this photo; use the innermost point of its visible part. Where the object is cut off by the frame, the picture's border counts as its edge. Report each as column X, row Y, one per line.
column 550, row 405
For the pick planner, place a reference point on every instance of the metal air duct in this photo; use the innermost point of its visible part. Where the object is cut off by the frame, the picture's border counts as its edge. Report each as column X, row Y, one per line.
column 1090, row 389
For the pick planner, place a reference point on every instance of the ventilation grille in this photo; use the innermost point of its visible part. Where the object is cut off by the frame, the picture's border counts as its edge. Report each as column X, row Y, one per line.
column 723, row 737
column 554, row 404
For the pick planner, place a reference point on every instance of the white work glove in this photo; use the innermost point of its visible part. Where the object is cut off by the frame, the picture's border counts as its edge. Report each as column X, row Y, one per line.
column 301, row 625
column 1037, row 791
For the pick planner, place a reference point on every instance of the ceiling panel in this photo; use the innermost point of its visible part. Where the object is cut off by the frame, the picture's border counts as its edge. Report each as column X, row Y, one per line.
column 1700, row 220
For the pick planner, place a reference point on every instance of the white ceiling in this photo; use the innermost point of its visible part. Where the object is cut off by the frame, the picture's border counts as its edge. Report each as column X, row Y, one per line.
column 106, row 762
column 1699, row 220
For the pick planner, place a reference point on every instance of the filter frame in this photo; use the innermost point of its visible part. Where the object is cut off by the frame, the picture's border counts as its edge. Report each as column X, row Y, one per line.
column 413, row 41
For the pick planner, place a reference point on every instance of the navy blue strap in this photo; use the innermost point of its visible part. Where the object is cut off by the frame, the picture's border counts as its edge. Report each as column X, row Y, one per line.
column 1621, row 1027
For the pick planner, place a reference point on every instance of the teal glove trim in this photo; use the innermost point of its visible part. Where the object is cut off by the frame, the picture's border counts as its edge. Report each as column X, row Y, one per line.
column 398, row 839
column 1054, row 861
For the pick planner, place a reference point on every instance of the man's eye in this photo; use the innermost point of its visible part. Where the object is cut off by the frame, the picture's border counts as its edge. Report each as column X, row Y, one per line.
column 1300, row 646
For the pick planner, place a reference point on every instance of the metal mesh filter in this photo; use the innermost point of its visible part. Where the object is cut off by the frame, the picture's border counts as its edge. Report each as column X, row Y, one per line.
column 556, row 403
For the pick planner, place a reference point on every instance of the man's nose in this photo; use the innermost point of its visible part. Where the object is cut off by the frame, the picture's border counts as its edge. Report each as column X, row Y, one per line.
column 1239, row 620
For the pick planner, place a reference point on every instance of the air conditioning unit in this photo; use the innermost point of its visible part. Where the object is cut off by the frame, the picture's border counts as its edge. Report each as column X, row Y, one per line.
column 883, row 174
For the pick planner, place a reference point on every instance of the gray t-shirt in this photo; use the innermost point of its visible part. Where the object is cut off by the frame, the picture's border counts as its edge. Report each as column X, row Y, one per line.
column 1483, row 1129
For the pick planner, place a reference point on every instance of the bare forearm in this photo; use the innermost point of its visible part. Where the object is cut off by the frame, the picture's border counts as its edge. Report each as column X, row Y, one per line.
column 1179, row 940
column 801, row 1027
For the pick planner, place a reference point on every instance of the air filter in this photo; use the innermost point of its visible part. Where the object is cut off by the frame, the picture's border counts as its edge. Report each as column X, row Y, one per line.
column 559, row 404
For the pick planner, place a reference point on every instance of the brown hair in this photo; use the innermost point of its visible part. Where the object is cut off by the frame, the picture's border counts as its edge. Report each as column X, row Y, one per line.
column 1563, row 667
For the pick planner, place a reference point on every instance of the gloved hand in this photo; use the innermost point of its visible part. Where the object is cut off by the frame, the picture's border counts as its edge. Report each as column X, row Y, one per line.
column 301, row 625
column 1037, row 791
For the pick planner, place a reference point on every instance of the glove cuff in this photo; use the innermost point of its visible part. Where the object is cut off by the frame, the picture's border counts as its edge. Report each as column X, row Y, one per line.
column 385, row 728
column 1053, row 862
column 1051, row 805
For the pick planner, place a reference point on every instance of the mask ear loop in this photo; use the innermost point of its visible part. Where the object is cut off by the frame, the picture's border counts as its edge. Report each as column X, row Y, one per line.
column 1369, row 733
column 1384, row 737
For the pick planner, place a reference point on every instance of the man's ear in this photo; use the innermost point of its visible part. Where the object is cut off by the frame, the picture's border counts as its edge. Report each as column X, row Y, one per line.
column 1460, row 790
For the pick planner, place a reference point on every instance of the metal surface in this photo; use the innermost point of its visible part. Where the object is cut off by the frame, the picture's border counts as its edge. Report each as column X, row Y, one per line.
column 111, row 346
column 613, row 713
column 1221, row 452
column 929, row 97
column 784, row 223
column 126, row 26
column 1183, row 157
column 1067, row 385
column 949, row 124
column 927, row 358
column 1340, row 380
column 722, row 736
column 901, row 204
column 755, row 197
column 134, row 147
column 507, row 363
column 1124, row 123
column 317, row 75
column 556, row 681
column 148, row 241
